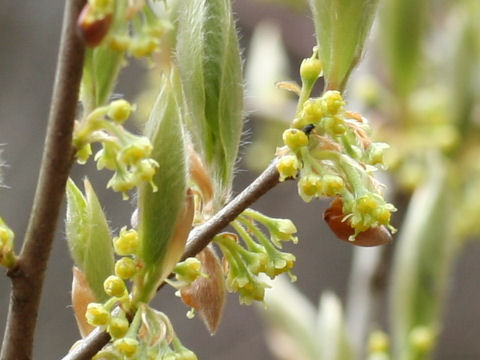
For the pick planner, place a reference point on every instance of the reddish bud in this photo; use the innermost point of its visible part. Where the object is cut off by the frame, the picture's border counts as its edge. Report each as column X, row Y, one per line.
column 374, row 236
column 92, row 29
column 82, row 295
column 207, row 294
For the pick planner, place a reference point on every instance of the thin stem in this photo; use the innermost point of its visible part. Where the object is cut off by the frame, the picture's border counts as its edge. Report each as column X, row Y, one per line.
column 27, row 277
column 198, row 239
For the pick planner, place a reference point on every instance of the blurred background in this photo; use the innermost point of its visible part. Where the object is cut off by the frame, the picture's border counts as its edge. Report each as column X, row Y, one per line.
column 29, row 36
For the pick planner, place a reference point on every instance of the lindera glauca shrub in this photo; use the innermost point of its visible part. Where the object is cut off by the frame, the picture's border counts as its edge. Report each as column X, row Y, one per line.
column 175, row 171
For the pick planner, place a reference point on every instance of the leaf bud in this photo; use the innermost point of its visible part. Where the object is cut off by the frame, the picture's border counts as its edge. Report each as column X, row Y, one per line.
column 345, row 230
column 92, row 28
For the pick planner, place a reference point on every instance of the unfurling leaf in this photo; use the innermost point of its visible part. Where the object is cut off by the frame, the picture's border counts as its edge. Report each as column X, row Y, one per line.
column 207, row 294
column 156, row 326
column 341, row 227
column 209, row 63
column 88, row 237
column 164, row 216
column 341, row 27
column 331, row 329
column 423, row 260
column 82, row 295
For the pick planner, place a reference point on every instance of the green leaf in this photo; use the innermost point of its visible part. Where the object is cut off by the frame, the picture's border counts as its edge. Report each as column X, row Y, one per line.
column 402, row 28
column 210, row 68
column 88, row 237
column 341, row 27
column 331, row 329
column 161, row 211
column 102, row 65
column 290, row 313
column 423, row 259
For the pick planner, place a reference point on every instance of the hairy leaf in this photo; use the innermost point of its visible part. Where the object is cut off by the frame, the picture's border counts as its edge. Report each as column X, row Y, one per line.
column 341, row 27
column 88, row 237
column 161, row 212
column 209, row 61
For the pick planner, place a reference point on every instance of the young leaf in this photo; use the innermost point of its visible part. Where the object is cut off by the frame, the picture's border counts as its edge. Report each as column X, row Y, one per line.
column 88, row 237
column 209, row 61
column 341, row 27
column 207, row 294
column 291, row 316
column 423, row 260
column 164, row 213
column 403, row 23
column 102, row 65
column 331, row 329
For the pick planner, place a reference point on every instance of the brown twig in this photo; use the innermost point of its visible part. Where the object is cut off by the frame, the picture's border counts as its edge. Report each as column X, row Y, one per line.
column 27, row 277
column 198, row 239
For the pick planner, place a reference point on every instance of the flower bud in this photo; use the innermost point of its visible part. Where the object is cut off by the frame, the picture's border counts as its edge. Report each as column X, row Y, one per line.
column 334, row 126
column 295, row 138
column 143, row 47
column 312, row 112
column 125, row 268
column 185, row 354
column 127, row 242
column 310, row 69
column 118, row 327
column 288, row 166
column 188, row 270
column 309, row 186
column 366, row 204
column 119, row 110
column 84, row 153
column 332, row 185
column 378, row 342
column 135, row 152
column 126, row 346
column 97, row 315
column 422, row 338
column 332, row 101
column 114, row 286
column 119, row 43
